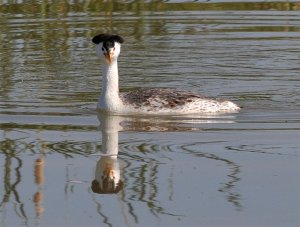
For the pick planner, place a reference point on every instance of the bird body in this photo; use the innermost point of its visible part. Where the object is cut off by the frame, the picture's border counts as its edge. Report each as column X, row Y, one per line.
column 149, row 100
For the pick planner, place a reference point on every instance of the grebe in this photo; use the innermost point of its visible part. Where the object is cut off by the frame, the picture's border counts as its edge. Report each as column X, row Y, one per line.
column 149, row 100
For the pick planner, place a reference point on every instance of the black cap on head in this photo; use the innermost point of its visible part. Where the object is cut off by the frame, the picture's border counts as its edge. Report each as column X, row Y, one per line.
column 107, row 38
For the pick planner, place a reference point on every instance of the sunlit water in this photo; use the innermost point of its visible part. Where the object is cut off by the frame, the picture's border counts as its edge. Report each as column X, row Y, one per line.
column 231, row 170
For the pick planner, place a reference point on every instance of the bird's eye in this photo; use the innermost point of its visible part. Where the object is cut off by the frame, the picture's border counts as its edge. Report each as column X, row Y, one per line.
column 114, row 48
column 102, row 48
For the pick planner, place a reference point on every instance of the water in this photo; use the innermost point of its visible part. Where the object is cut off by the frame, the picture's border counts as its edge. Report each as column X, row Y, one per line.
column 232, row 170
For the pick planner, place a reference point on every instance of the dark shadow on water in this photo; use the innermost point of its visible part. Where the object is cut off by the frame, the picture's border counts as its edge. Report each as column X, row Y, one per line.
column 229, row 187
column 12, row 177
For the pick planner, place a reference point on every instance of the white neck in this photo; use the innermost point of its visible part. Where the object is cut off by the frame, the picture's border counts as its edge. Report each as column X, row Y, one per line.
column 110, row 99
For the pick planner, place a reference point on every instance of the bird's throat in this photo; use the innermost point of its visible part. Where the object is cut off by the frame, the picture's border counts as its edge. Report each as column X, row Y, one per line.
column 110, row 99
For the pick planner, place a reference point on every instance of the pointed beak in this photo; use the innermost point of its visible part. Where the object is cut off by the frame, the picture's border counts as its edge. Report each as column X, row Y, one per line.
column 108, row 57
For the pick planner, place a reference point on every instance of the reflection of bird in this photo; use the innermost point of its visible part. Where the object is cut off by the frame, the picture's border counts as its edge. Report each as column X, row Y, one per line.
column 160, row 101
column 107, row 176
column 108, row 173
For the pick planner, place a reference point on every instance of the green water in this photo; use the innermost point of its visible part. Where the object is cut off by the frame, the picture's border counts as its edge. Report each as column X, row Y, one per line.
column 230, row 170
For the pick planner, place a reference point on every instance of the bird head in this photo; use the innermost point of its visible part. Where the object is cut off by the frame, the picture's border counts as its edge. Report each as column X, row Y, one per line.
column 108, row 47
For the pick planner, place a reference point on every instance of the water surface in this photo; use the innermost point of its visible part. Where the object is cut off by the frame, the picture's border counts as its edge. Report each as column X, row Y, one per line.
column 232, row 170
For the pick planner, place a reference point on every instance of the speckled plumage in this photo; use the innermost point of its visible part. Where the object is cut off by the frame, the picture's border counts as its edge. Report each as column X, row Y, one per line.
column 159, row 97
column 162, row 100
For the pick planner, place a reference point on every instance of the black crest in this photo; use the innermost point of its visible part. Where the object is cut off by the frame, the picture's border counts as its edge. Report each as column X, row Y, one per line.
column 107, row 38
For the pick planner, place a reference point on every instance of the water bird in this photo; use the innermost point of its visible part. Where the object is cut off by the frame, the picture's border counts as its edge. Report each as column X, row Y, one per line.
column 147, row 100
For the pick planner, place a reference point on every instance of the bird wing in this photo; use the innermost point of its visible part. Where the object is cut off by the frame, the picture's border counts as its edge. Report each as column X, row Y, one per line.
column 159, row 98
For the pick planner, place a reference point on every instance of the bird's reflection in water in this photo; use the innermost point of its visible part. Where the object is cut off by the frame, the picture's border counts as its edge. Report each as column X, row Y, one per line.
column 108, row 174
